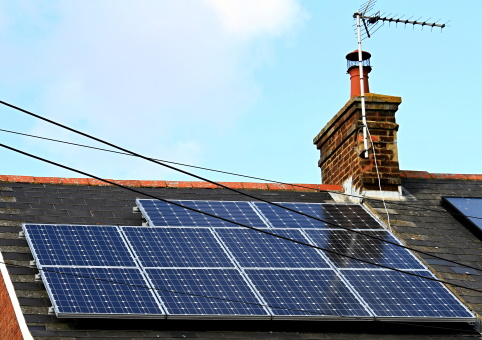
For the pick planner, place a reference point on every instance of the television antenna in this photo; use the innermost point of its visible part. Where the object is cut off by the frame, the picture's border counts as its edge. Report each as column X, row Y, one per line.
column 371, row 24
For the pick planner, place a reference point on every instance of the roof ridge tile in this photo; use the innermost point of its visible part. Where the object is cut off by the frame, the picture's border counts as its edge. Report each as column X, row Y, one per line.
column 232, row 185
column 432, row 175
column 171, row 184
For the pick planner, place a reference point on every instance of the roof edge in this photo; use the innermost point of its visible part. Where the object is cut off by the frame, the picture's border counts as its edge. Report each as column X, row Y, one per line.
column 232, row 185
column 428, row 175
column 7, row 281
column 170, row 184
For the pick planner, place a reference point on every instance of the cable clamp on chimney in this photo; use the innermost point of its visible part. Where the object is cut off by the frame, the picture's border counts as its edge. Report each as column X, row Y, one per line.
column 359, row 147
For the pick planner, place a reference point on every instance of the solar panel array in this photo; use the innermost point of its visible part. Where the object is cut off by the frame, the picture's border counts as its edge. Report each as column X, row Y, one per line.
column 186, row 265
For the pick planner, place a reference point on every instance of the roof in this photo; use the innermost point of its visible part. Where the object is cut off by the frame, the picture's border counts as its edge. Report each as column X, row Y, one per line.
column 420, row 222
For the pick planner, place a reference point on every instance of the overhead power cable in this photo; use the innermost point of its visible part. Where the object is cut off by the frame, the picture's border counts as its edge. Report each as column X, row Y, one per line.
column 237, row 223
column 170, row 162
column 359, row 232
column 220, row 185
column 402, row 204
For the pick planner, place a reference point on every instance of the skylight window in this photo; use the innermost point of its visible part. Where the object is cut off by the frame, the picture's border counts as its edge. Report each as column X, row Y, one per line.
column 468, row 210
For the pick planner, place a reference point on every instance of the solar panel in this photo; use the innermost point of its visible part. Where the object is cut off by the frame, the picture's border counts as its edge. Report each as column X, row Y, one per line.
column 309, row 293
column 253, row 249
column 468, row 210
column 211, row 293
column 176, row 247
column 100, row 292
column 346, row 215
column 159, row 213
column 393, row 294
column 71, row 245
column 364, row 248
column 197, row 267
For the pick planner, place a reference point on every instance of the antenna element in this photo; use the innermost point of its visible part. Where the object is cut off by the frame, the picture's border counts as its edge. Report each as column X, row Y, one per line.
column 370, row 21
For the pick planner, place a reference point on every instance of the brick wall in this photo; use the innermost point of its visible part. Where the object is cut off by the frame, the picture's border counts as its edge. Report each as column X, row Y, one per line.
column 341, row 141
column 9, row 327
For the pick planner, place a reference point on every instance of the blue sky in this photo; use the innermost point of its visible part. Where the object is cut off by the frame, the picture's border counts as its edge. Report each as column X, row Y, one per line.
column 235, row 85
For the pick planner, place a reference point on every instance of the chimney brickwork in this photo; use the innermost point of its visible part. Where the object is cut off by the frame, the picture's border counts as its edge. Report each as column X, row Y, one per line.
column 341, row 142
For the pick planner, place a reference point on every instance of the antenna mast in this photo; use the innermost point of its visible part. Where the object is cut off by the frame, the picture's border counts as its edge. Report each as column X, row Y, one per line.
column 362, row 83
column 369, row 23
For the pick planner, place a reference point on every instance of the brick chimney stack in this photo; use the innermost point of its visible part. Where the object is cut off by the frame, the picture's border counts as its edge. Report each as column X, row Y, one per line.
column 341, row 146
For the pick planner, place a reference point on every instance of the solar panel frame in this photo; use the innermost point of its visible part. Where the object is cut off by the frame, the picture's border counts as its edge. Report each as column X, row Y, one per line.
column 187, row 247
column 302, row 290
column 151, row 209
column 273, row 252
column 364, row 248
column 326, row 262
column 200, row 293
column 63, row 244
column 94, row 276
column 245, row 272
column 47, row 273
column 330, row 212
column 373, row 292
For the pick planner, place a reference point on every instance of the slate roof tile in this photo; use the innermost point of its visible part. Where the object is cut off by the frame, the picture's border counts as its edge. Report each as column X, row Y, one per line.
column 29, row 286
column 15, row 242
column 435, row 231
column 17, row 256
column 7, row 223
column 12, row 217
column 7, row 199
column 22, row 271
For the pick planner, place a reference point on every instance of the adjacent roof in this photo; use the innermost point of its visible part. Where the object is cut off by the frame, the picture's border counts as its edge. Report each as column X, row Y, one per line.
column 420, row 221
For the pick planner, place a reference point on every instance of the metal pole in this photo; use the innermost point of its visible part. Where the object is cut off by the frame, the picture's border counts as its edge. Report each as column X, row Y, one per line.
column 362, row 85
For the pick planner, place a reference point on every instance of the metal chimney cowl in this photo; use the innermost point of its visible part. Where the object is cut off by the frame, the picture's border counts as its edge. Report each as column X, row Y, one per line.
column 354, row 72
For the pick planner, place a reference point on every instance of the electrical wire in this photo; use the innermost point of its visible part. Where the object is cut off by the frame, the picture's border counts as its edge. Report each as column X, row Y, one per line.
column 378, row 177
column 231, row 189
column 367, row 235
column 386, row 209
column 218, row 184
column 418, row 208
column 236, row 174
column 306, row 215
column 292, row 240
column 160, row 160
column 237, row 223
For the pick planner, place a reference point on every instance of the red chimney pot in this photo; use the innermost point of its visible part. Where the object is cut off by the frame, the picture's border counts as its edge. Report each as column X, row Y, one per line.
column 354, row 71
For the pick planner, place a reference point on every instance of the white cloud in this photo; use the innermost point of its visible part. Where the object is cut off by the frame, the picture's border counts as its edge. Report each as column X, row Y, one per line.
column 161, row 77
column 251, row 18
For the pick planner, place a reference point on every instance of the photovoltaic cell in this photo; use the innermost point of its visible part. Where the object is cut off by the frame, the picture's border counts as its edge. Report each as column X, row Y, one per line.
column 71, row 245
column 225, row 286
column 176, row 247
column 160, row 213
column 394, row 294
column 95, row 291
column 364, row 248
column 254, row 249
column 345, row 215
column 313, row 293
